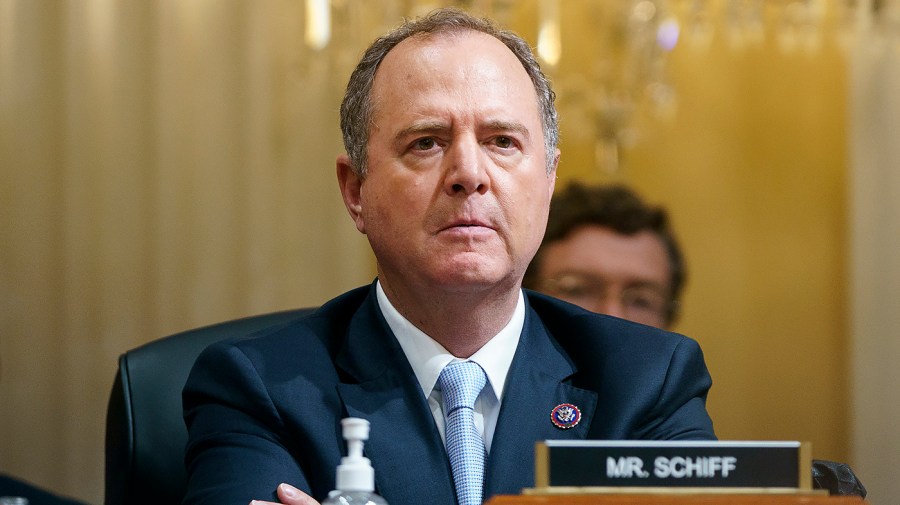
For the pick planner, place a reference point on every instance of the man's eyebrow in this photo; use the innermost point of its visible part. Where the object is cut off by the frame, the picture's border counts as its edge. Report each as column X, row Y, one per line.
column 647, row 284
column 500, row 125
column 431, row 126
column 422, row 127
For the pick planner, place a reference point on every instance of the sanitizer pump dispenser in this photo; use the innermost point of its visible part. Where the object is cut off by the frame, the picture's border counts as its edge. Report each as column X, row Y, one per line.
column 355, row 478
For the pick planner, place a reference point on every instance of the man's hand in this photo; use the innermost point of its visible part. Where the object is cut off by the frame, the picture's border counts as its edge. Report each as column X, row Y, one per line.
column 289, row 495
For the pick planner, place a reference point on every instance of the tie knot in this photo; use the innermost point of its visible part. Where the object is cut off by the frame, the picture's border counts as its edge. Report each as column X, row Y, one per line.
column 461, row 382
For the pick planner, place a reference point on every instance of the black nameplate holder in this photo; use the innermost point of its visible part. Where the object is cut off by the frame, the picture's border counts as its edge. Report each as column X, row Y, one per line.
column 566, row 465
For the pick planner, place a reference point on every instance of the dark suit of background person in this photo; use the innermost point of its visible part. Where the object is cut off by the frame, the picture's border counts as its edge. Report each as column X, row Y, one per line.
column 449, row 173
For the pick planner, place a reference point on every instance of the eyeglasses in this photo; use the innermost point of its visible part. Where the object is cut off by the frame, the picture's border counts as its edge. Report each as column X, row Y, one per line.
column 643, row 303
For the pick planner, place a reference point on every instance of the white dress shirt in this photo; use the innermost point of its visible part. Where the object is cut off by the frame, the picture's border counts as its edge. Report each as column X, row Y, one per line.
column 428, row 358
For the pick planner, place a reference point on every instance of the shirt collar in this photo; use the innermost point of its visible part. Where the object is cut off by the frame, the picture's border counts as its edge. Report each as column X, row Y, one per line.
column 428, row 358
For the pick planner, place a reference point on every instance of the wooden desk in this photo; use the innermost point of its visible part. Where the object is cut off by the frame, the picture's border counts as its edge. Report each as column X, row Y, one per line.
column 675, row 499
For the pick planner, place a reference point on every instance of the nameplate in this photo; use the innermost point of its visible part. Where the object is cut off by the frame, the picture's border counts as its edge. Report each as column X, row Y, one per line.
column 644, row 464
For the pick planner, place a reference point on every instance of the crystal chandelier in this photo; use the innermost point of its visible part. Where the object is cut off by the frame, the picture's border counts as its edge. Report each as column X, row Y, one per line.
column 607, row 58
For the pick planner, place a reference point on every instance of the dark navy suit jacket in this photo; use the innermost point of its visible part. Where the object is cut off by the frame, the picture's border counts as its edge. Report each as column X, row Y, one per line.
column 266, row 409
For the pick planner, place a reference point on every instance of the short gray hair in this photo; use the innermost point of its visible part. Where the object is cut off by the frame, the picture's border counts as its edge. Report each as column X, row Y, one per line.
column 357, row 107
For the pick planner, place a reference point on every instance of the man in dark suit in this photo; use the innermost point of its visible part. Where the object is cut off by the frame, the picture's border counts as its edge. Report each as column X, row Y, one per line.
column 451, row 138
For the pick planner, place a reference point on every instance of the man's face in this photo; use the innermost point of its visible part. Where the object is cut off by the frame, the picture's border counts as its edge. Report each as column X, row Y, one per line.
column 457, row 192
column 626, row 276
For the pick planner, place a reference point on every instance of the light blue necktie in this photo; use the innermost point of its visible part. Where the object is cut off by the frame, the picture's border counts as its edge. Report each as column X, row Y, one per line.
column 461, row 382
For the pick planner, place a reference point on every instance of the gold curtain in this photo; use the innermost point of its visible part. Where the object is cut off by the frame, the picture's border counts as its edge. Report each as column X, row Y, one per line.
column 165, row 165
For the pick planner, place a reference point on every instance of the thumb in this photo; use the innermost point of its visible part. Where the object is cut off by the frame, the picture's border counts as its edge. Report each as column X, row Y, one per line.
column 289, row 495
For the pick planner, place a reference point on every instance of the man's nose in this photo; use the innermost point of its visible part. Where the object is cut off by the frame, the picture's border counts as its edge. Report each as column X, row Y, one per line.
column 466, row 168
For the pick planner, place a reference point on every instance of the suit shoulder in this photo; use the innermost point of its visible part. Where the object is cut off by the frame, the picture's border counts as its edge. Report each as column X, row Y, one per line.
column 315, row 332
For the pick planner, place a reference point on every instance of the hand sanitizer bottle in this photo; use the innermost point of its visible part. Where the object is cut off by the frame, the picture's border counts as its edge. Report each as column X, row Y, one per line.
column 355, row 479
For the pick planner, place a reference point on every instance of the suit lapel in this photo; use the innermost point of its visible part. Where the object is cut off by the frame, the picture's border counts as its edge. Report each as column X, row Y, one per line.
column 404, row 445
column 533, row 388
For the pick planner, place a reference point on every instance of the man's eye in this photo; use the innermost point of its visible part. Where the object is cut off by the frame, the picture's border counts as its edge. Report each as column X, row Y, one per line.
column 424, row 144
column 573, row 291
column 644, row 299
column 569, row 287
column 504, row 142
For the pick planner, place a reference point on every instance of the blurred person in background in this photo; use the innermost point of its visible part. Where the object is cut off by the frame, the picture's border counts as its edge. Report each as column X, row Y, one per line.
column 608, row 251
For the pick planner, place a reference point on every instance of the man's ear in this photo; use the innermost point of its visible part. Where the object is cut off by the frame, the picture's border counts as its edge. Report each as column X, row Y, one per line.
column 553, row 176
column 351, row 189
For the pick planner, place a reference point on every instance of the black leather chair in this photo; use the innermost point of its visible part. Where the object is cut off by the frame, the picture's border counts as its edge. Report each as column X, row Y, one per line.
column 145, row 432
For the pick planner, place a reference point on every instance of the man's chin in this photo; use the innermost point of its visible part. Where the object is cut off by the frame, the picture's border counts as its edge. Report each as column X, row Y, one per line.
column 471, row 278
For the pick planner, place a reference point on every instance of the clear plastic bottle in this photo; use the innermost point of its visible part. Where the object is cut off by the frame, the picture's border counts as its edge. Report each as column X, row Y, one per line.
column 355, row 478
column 13, row 500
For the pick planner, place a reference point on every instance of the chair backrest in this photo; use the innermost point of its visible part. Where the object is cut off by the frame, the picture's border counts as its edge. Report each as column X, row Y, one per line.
column 145, row 432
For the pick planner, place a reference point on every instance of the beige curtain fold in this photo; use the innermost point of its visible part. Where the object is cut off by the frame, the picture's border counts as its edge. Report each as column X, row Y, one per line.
column 874, row 263
column 165, row 165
